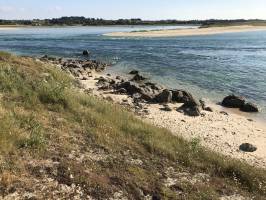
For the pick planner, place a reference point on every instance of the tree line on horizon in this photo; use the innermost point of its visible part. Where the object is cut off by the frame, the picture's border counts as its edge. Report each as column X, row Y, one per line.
column 72, row 21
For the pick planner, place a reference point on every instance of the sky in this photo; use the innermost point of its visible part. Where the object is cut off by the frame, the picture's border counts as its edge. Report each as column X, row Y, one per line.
column 144, row 9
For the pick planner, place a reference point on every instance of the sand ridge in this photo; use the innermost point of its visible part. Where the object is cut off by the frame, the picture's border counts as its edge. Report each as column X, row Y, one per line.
column 188, row 32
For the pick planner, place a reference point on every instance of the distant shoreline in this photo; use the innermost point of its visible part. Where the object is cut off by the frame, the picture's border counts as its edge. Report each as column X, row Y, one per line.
column 188, row 32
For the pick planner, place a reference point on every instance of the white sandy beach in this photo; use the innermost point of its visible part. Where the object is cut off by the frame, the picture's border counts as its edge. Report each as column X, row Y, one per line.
column 188, row 32
column 9, row 27
column 223, row 133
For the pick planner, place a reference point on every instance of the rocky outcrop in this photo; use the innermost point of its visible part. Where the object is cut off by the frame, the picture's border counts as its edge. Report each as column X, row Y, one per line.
column 233, row 101
column 105, row 83
column 164, row 97
column 132, row 88
column 81, row 69
column 181, row 96
column 191, row 106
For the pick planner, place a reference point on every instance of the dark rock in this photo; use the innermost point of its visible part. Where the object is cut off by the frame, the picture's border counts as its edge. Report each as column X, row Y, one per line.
column 178, row 96
column 209, row 109
column 105, row 83
column 164, row 97
column 249, row 107
column 84, row 78
column 138, row 77
column 190, row 100
column 203, row 104
column 246, row 147
column 88, row 65
column 74, row 65
column 108, row 74
column 153, row 86
column 193, row 111
column 204, row 107
column 45, row 57
column 121, row 91
column 233, row 101
column 224, row 113
column 166, row 108
column 132, row 88
column 86, row 53
column 191, row 106
column 134, row 72
column 118, row 77
column 156, row 197
column 181, row 96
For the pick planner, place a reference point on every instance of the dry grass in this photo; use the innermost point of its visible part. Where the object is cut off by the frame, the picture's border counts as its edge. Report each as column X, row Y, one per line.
column 43, row 117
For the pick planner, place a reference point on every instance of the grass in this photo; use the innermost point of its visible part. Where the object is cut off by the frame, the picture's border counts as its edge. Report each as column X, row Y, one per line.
column 225, row 24
column 43, row 116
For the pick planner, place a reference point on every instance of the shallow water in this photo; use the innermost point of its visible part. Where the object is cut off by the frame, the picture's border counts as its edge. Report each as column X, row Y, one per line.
column 209, row 66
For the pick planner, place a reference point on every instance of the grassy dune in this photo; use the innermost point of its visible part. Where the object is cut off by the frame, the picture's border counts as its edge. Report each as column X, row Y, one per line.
column 53, row 136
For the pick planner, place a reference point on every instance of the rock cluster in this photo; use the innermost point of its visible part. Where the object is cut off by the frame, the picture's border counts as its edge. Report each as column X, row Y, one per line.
column 137, row 86
column 81, row 69
column 141, row 89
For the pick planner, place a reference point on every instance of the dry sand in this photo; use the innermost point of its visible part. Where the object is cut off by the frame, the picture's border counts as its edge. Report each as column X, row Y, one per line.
column 188, row 32
column 223, row 133
column 9, row 27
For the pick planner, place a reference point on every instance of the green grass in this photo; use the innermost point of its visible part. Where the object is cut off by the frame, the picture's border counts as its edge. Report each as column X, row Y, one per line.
column 225, row 24
column 43, row 116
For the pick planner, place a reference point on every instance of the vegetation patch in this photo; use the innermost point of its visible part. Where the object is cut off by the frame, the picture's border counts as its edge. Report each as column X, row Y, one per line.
column 52, row 132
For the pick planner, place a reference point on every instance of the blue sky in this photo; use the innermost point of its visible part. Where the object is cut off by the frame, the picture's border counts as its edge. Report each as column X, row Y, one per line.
column 145, row 9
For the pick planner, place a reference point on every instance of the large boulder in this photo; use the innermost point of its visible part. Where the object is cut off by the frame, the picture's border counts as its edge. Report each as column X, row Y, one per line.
column 191, row 106
column 249, row 107
column 193, row 111
column 132, row 87
column 164, row 97
column 181, row 96
column 178, row 96
column 246, row 147
column 86, row 53
column 233, row 101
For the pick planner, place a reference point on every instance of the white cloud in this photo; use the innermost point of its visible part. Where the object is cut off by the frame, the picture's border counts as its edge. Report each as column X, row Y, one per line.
column 11, row 9
column 55, row 9
column 7, row 9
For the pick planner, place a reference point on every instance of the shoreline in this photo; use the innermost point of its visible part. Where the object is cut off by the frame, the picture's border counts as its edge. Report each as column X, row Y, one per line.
column 218, row 130
column 188, row 32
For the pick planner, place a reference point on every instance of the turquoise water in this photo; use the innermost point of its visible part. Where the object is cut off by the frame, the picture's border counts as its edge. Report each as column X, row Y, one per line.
column 209, row 66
